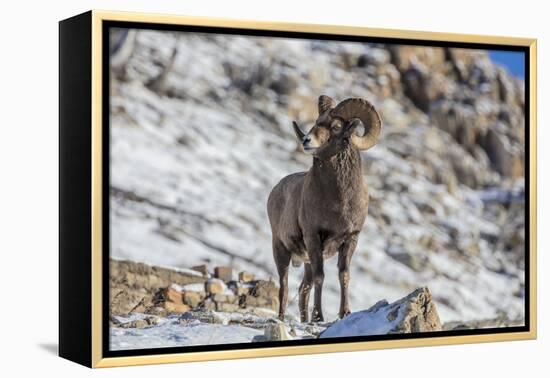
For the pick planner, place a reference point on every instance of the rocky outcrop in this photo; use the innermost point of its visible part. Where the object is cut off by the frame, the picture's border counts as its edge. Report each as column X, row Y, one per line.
column 470, row 98
column 146, row 291
column 411, row 314
column 132, row 285
column 414, row 313
column 139, row 288
column 275, row 331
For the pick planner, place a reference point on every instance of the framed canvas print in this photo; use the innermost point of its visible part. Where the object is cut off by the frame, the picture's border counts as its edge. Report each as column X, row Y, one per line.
column 235, row 189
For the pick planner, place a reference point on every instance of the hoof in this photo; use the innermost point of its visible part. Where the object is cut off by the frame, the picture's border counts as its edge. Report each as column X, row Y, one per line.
column 344, row 313
column 316, row 317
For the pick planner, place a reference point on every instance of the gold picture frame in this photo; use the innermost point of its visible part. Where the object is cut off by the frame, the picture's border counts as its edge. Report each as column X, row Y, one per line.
column 89, row 328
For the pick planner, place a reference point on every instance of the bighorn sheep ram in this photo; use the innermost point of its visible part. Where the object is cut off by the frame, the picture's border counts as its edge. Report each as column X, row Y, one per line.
column 319, row 213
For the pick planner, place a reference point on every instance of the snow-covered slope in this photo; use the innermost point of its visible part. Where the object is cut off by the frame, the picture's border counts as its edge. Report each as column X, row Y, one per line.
column 195, row 155
column 169, row 332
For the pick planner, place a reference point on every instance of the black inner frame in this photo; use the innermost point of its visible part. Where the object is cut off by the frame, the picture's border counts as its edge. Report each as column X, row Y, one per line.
column 283, row 34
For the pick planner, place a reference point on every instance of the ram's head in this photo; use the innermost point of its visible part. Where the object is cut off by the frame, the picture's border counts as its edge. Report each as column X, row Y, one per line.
column 352, row 122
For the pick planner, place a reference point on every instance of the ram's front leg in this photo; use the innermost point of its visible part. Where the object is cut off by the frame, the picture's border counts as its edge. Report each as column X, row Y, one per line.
column 315, row 252
column 305, row 288
column 344, row 258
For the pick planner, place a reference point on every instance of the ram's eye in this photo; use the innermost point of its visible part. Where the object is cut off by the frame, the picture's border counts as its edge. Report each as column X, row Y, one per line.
column 336, row 126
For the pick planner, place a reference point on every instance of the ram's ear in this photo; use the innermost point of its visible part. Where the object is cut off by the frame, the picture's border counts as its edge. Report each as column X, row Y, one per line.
column 299, row 133
column 325, row 103
column 354, row 126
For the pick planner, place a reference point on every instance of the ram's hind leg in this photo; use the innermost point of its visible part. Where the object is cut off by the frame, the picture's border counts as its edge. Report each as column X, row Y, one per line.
column 305, row 289
column 282, row 260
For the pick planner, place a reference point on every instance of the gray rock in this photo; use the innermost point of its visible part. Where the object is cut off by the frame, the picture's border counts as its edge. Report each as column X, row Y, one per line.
column 413, row 313
column 215, row 286
column 246, row 276
column 224, row 273
column 192, row 298
column 139, row 323
column 225, row 298
column 202, row 269
column 419, row 313
column 275, row 332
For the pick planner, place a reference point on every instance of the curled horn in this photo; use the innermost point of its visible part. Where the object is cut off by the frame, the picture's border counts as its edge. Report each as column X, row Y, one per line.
column 363, row 110
column 325, row 103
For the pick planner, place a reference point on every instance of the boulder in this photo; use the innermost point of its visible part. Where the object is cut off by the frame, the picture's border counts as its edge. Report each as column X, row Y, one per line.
column 172, row 294
column 416, row 313
column 215, row 286
column 413, row 313
column 168, row 300
column 224, row 273
column 126, row 300
column 227, row 298
column 262, row 294
column 265, row 289
column 176, row 307
column 275, row 332
column 246, row 276
column 192, row 298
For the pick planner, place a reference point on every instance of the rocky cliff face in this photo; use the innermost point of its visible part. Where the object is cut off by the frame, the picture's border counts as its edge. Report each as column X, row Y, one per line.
column 201, row 132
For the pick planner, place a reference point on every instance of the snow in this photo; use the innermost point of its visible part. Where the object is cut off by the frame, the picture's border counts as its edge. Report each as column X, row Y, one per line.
column 171, row 334
column 197, row 287
column 364, row 323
